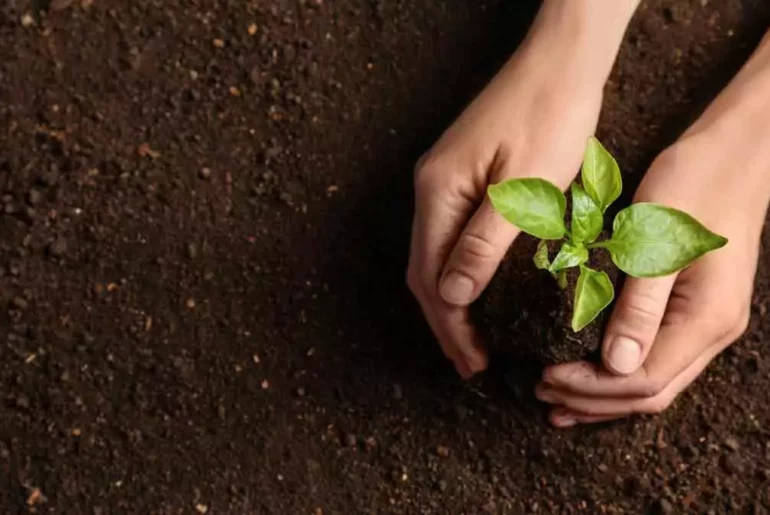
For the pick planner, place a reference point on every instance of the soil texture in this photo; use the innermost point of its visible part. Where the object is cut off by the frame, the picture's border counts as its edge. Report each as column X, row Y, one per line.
column 204, row 222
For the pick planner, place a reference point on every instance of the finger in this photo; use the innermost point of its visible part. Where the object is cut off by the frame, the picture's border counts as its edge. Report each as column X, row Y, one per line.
column 585, row 409
column 457, row 329
column 437, row 224
column 635, row 322
column 476, row 256
column 564, row 417
column 675, row 348
column 450, row 350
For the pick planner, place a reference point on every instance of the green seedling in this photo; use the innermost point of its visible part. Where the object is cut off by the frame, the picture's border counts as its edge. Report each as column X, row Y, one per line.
column 648, row 240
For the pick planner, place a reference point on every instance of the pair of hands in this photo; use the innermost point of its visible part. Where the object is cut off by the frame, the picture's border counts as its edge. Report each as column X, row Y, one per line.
column 533, row 120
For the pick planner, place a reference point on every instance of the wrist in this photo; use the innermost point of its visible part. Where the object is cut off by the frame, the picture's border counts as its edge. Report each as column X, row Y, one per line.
column 583, row 40
column 739, row 118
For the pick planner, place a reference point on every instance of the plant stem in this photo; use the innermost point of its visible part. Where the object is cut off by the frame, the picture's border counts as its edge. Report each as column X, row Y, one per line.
column 597, row 245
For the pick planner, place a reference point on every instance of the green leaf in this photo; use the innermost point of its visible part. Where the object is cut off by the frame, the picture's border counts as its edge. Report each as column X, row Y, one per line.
column 535, row 206
column 593, row 293
column 569, row 256
column 601, row 175
column 587, row 220
column 561, row 279
column 650, row 240
column 541, row 256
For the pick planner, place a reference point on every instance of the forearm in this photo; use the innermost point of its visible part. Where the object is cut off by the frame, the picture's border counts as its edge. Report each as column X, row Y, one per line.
column 746, row 97
column 585, row 38
column 739, row 118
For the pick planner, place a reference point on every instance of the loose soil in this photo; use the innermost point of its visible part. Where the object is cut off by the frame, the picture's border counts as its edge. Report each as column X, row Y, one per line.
column 204, row 229
column 526, row 318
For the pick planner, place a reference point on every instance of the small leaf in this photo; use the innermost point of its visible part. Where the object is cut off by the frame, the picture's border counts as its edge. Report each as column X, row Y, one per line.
column 541, row 256
column 561, row 279
column 535, row 206
column 601, row 175
column 569, row 256
column 593, row 293
column 650, row 240
column 587, row 220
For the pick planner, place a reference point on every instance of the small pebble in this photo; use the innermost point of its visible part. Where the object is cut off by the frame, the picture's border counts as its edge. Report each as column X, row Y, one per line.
column 732, row 463
column 35, row 497
column 350, row 440
column 58, row 248
column 205, row 173
column 19, row 303
column 732, row 443
column 22, row 401
column 34, row 197
column 442, row 450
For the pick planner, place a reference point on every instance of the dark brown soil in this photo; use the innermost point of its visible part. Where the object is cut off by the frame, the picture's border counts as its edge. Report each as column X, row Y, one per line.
column 526, row 317
column 202, row 249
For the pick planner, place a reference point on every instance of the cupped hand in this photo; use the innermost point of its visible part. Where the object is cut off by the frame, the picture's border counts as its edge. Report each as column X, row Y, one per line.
column 533, row 119
column 663, row 332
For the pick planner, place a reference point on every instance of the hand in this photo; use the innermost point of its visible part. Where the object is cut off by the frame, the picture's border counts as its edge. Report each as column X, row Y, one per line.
column 665, row 331
column 533, row 120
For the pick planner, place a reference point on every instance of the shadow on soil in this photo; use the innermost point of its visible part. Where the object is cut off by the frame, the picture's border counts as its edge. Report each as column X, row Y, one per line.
column 384, row 312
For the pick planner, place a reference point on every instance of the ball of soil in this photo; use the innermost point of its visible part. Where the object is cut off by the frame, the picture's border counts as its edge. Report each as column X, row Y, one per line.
column 526, row 316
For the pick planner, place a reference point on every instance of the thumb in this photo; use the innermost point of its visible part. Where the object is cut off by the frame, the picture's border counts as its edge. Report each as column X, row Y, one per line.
column 635, row 323
column 476, row 256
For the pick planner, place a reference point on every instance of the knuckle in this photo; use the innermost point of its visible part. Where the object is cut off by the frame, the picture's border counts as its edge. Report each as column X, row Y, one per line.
column 428, row 171
column 418, row 283
column 730, row 321
column 474, row 247
column 737, row 322
column 653, row 387
column 641, row 312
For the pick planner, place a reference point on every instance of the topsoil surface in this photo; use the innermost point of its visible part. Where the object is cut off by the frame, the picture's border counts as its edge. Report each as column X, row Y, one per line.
column 205, row 209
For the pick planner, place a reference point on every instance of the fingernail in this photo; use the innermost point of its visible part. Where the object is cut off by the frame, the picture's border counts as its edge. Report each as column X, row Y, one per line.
column 565, row 421
column 561, row 417
column 544, row 393
column 457, row 288
column 624, row 355
column 463, row 370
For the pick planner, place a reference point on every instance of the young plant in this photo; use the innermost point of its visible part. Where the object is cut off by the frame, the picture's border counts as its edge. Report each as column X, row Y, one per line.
column 648, row 240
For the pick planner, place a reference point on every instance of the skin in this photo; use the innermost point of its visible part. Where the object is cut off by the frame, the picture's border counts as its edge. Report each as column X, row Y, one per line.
column 533, row 120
